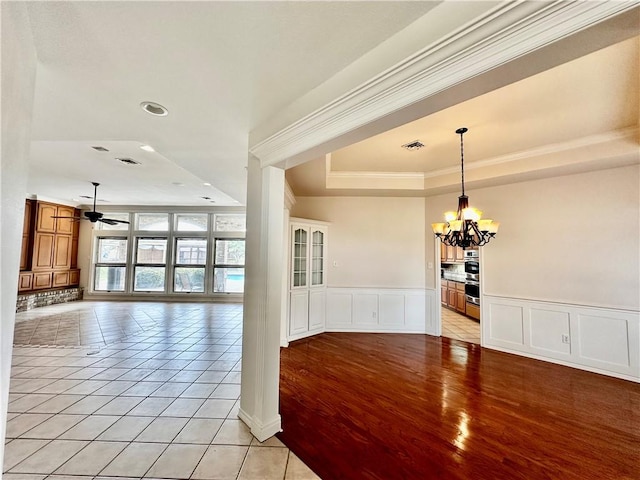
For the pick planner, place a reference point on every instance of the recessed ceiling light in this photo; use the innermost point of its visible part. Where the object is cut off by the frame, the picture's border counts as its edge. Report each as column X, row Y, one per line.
column 128, row 161
column 100, row 149
column 154, row 109
column 206, row 184
column 412, row 146
column 147, row 148
column 75, row 199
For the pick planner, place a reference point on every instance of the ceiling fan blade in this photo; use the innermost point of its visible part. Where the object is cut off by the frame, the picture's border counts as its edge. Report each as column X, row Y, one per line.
column 115, row 221
column 108, row 221
column 71, row 218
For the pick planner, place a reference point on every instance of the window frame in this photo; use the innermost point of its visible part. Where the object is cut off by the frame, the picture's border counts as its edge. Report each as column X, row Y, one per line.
column 97, row 264
column 172, row 234
column 216, row 266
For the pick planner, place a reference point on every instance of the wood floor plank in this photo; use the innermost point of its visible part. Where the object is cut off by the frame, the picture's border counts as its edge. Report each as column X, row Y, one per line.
column 392, row 406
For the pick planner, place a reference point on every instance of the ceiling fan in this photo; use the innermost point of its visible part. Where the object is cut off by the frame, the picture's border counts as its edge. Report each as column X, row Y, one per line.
column 94, row 216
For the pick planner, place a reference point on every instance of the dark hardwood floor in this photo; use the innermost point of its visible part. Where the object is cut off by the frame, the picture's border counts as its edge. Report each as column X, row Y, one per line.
column 392, row 406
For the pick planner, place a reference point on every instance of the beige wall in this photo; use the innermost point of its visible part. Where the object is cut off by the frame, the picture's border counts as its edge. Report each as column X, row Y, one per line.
column 376, row 242
column 18, row 80
column 572, row 239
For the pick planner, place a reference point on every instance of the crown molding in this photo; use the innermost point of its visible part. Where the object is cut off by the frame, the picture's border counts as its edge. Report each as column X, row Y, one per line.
column 289, row 196
column 507, row 32
column 629, row 134
column 585, row 150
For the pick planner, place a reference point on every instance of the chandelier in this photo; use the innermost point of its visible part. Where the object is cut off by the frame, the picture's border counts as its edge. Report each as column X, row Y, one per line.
column 465, row 228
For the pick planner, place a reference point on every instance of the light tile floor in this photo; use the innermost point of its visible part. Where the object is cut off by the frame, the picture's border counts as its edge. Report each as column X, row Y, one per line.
column 161, row 402
column 460, row 327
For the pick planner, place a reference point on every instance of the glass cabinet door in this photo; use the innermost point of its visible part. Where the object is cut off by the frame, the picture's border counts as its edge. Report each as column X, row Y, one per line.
column 300, row 257
column 317, row 258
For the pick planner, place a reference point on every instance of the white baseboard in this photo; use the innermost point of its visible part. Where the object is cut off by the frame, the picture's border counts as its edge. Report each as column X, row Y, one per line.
column 600, row 340
column 259, row 430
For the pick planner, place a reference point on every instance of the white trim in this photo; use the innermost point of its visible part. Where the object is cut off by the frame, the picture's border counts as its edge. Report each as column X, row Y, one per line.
column 289, row 196
column 379, row 310
column 260, row 431
column 626, row 134
column 505, row 33
column 585, row 149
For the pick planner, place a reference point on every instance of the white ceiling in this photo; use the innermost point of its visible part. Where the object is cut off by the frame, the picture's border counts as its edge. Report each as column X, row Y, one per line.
column 228, row 69
column 221, row 69
column 590, row 101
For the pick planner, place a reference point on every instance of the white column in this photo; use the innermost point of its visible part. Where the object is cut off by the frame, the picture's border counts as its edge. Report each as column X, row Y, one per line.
column 18, row 81
column 262, row 300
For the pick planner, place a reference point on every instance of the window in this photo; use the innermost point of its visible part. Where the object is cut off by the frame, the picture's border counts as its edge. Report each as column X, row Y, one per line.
column 189, row 270
column 230, row 222
column 117, row 226
column 191, row 222
column 152, row 222
column 110, row 265
column 228, row 267
column 150, row 265
column 164, row 253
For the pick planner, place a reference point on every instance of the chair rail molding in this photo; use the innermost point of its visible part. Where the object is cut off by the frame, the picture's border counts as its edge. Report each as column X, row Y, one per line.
column 503, row 34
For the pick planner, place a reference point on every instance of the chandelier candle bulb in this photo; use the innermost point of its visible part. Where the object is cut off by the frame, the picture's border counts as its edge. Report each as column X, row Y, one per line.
column 438, row 228
column 471, row 213
column 465, row 228
column 449, row 216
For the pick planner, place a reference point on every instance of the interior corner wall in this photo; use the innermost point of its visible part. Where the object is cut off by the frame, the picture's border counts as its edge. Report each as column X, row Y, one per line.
column 18, row 81
column 374, row 242
column 570, row 239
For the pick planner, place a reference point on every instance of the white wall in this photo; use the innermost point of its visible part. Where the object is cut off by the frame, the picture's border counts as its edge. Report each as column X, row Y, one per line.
column 376, row 263
column 376, row 242
column 561, row 281
column 18, row 80
column 572, row 239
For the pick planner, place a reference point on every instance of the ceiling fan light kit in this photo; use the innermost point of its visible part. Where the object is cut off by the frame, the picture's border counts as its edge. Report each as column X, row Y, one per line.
column 94, row 216
column 465, row 227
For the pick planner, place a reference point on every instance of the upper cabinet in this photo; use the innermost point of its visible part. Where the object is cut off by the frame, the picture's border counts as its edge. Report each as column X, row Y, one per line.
column 44, row 220
column 49, row 246
column 449, row 254
column 307, row 278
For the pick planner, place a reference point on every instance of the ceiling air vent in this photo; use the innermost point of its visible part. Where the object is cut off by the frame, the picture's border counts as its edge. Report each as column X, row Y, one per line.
column 128, row 161
column 100, row 149
column 415, row 145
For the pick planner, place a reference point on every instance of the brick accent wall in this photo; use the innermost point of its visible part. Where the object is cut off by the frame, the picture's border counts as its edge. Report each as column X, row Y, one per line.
column 32, row 300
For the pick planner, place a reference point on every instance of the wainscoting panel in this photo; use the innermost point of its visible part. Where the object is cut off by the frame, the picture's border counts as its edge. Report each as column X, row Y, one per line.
column 549, row 330
column 602, row 340
column 365, row 310
column 339, row 310
column 506, row 324
column 380, row 310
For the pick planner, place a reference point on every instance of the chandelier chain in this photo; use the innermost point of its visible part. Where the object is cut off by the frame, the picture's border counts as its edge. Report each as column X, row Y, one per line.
column 462, row 159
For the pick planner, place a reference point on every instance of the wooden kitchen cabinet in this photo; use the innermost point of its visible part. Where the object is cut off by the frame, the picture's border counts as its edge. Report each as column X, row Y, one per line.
column 44, row 220
column 49, row 247
column 449, row 254
column 62, row 252
column 25, row 282
column 461, row 302
column 43, row 251
column 473, row 311
column 65, row 225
